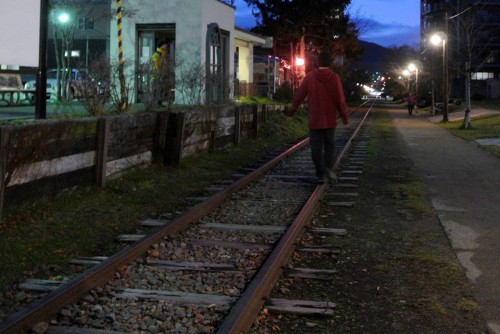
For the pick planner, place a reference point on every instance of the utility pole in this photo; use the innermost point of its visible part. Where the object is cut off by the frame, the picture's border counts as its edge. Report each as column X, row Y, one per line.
column 445, row 68
column 41, row 77
column 121, row 61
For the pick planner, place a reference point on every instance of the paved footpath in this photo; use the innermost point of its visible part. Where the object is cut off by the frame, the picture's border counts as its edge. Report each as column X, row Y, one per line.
column 463, row 182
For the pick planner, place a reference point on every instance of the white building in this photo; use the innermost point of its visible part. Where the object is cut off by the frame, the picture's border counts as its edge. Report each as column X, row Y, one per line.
column 201, row 35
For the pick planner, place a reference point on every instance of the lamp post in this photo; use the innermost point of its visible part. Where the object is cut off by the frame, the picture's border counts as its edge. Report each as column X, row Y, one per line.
column 437, row 39
column 62, row 19
column 407, row 74
column 41, row 76
column 414, row 68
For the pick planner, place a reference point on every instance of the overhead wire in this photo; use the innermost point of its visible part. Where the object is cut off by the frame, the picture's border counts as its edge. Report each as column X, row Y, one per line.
column 465, row 10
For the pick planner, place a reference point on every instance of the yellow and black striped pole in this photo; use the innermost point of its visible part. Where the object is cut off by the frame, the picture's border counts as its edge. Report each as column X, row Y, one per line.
column 121, row 61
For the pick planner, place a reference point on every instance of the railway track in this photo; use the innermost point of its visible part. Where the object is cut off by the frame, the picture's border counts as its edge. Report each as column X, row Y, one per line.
column 211, row 269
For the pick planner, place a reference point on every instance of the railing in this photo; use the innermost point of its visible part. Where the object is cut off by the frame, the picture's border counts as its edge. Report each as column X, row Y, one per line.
column 42, row 159
column 11, row 97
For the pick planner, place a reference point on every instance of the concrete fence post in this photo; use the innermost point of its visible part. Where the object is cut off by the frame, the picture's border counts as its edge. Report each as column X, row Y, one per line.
column 103, row 125
column 237, row 125
column 264, row 113
column 4, row 139
column 175, row 137
column 255, row 111
column 160, row 141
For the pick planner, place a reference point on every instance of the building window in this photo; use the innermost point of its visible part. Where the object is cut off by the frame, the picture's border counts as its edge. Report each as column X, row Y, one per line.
column 217, row 64
column 482, row 75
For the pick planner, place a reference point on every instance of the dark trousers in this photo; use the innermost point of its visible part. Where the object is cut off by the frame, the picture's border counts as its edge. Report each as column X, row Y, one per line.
column 322, row 143
column 410, row 108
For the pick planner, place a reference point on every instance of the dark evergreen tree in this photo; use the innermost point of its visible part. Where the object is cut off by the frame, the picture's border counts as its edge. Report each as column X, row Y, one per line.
column 305, row 26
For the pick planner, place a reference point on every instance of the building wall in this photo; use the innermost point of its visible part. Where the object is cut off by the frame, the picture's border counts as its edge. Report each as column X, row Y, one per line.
column 493, row 89
column 486, row 40
column 245, row 61
column 190, row 18
column 246, row 41
column 223, row 15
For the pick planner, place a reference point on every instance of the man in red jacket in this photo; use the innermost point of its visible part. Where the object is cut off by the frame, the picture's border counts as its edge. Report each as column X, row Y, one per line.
column 325, row 98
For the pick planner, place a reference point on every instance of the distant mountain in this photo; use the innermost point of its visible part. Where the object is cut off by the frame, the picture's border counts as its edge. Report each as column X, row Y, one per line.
column 374, row 57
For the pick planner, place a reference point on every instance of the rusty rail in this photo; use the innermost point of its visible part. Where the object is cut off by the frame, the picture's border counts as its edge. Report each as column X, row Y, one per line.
column 244, row 312
column 49, row 305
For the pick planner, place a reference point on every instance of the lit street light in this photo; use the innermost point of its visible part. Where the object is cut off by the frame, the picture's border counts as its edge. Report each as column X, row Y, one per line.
column 414, row 68
column 440, row 39
column 63, row 17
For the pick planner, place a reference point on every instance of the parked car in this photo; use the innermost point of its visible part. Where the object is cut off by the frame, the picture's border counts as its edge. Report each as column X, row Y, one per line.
column 78, row 82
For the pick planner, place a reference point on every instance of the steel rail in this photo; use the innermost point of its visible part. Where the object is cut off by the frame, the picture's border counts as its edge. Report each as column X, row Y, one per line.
column 347, row 146
column 246, row 309
column 44, row 308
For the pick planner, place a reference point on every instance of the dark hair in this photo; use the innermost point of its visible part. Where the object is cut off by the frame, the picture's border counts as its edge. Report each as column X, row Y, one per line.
column 160, row 43
column 324, row 59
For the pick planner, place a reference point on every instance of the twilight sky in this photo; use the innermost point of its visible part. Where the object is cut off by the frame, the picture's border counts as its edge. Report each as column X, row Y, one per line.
column 384, row 22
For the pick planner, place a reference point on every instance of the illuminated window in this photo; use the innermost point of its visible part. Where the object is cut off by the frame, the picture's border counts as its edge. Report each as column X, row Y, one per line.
column 482, row 75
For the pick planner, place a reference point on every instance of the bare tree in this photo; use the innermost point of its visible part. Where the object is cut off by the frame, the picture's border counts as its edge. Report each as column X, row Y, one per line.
column 115, row 87
column 95, row 90
column 65, row 25
column 191, row 84
column 471, row 47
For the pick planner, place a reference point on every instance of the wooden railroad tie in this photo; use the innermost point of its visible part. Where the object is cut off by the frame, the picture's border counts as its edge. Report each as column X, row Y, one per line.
column 326, row 231
column 154, row 222
column 319, row 249
column 352, row 172
column 247, row 228
column 175, row 296
column 300, row 307
column 192, row 266
column 341, row 204
column 230, row 244
column 77, row 330
column 319, row 274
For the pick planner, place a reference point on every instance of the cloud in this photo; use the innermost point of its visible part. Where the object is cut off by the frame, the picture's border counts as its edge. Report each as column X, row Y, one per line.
column 390, row 34
column 245, row 20
column 243, row 15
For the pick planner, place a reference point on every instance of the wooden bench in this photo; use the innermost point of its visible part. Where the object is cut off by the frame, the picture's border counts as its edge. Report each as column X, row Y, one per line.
column 17, row 96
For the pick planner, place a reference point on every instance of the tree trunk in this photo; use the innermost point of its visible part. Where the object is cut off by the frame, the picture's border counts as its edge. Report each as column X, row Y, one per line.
column 467, row 124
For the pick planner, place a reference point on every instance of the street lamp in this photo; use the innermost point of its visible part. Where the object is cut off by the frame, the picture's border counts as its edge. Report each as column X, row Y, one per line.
column 440, row 39
column 63, row 17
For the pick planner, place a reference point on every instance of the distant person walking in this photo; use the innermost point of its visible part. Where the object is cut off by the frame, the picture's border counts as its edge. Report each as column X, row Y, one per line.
column 410, row 100
column 325, row 98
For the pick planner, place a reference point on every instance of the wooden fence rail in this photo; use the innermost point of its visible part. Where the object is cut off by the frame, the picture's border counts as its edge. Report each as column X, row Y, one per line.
column 43, row 159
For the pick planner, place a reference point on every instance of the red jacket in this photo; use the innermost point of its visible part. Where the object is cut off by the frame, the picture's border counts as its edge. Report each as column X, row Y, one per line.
column 411, row 100
column 325, row 98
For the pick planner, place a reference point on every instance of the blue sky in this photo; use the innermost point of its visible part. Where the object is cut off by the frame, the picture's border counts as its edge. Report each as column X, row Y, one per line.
column 384, row 22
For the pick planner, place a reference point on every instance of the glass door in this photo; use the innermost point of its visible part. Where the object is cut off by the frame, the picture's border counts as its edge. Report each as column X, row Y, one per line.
column 148, row 36
column 146, row 49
